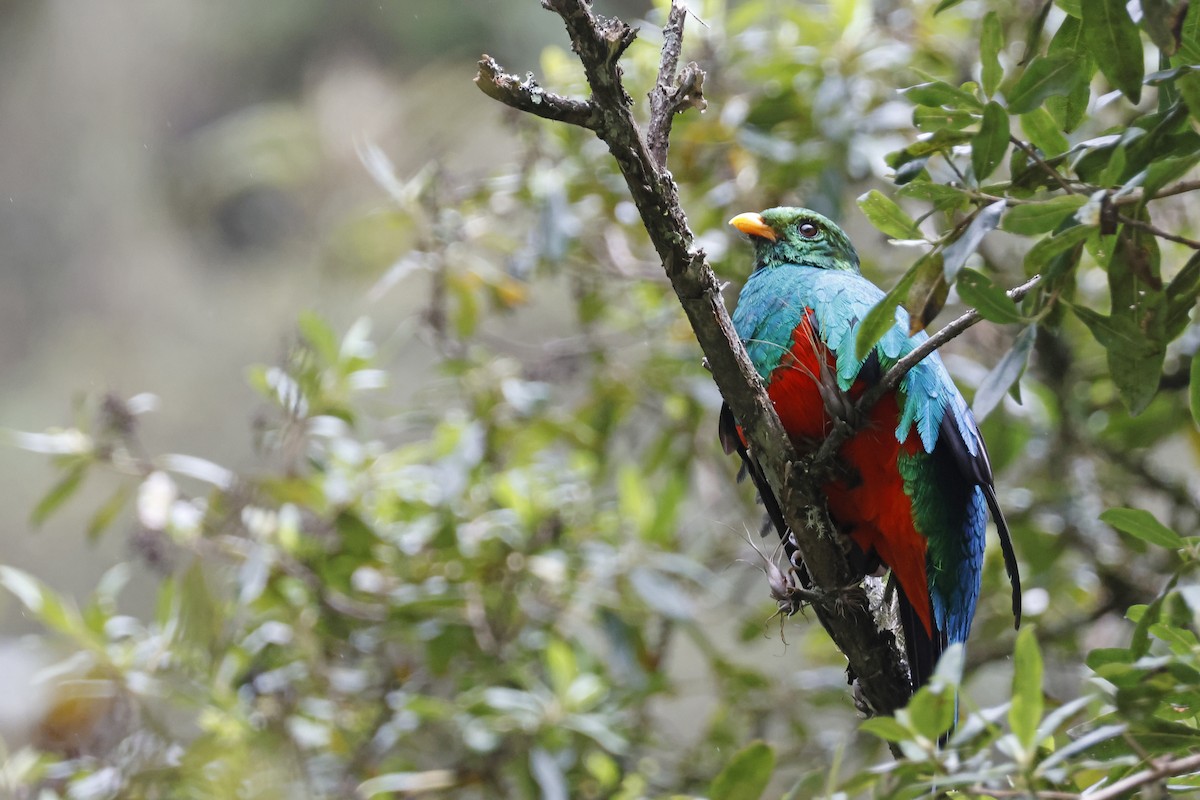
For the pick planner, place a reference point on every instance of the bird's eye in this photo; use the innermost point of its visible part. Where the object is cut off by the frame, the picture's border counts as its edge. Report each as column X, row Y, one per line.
column 809, row 230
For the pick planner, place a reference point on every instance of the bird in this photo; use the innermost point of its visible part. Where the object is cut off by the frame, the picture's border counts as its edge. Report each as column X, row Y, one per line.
column 913, row 486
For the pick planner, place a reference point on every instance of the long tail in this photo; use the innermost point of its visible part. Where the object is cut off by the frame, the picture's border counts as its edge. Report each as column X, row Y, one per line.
column 921, row 650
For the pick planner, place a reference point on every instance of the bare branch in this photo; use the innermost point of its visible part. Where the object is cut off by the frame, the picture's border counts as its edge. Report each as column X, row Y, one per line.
column 672, row 95
column 526, row 95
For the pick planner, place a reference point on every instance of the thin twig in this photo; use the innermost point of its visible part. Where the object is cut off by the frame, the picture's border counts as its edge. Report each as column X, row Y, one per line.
column 1037, row 159
column 1159, row 232
column 1164, row 769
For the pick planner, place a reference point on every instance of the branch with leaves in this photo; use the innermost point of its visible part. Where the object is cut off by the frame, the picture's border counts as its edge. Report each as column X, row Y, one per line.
column 873, row 655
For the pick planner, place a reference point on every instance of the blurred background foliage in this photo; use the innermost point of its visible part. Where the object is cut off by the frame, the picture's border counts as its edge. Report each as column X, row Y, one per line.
column 465, row 529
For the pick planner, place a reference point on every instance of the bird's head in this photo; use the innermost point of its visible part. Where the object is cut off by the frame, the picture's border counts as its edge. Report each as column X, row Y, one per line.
column 796, row 236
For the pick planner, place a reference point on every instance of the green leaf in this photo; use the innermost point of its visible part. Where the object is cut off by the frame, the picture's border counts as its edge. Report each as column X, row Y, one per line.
column 1041, row 253
column 1160, row 19
column 1142, row 525
column 1006, row 373
column 59, row 493
column 1166, row 170
column 53, row 610
column 1189, row 88
column 886, row 728
column 746, row 775
column 882, row 317
column 939, row 93
column 1046, row 76
column 1181, row 297
column 107, row 513
column 1113, row 36
column 932, row 710
column 1194, row 389
column 887, row 216
column 1068, row 110
column 319, row 336
column 927, row 295
column 961, row 248
column 928, row 119
column 978, row 291
column 991, row 42
column 1134, row 361
column 1026, row 710
column 1029, row 219
column 1043, row 130
column 989, row 145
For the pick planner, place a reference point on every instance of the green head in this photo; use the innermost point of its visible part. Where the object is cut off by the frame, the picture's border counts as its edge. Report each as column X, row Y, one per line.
column 797, row 236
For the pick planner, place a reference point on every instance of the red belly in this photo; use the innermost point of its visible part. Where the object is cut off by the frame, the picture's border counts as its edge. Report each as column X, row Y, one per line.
column 868, row 502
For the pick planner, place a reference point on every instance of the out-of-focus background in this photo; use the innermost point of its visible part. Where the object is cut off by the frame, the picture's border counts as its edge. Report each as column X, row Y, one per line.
column 178, row 181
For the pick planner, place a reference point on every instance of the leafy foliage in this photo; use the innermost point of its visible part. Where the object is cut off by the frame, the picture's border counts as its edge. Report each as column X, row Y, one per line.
column 503, row 585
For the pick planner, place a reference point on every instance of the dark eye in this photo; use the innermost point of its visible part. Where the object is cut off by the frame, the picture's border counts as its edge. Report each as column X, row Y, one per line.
column 809, row 230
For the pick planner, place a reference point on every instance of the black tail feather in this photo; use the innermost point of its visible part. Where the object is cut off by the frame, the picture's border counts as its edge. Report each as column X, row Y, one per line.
column 921, row 650
column 1006, row 547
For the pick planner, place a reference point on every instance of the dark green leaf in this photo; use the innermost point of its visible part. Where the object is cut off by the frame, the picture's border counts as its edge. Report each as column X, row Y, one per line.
column 991, row 42
column 746, row 775
column 978, row 291
column 1026, row 710
column 1181, row 297
column 1045, row 77
column 989, row 145
column 927, row 294
column 1166, row 170
column 1041, row 253
column 961, row 248
column 932, row 710
column 940, row 141
column 1029, row 219
column 1134, row 360
column 939, row 93
column 1068, row 110
column 934, row 119
column 1189, row 88
column 1033, row 37
column 886, row 728
column 1194, row 388
column 59, row 493
column 1160, row 19
column 1007, row 372
column 1142, row 525
column 1043, row 131
column 882, row 317
column 1112, row 35
column 888, row 217
column 945, row 4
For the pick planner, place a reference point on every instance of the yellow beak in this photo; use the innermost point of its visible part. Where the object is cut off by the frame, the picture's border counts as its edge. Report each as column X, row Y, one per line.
column 753, row 225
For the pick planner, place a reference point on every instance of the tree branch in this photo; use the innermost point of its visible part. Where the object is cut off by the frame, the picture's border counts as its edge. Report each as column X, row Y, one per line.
column 872, row 654
column 526, row 95
column 672, row 94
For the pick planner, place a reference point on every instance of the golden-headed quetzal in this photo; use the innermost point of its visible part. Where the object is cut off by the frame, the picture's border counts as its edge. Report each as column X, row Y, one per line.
column 913, row 487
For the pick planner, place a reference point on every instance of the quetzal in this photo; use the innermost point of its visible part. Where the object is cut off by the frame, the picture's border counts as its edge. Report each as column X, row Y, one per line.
column 913, row 487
